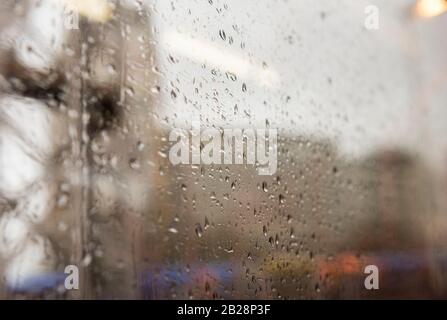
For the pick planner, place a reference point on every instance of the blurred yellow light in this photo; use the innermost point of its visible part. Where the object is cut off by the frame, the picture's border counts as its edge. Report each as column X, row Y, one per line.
column 430, row 8
column 95, row 10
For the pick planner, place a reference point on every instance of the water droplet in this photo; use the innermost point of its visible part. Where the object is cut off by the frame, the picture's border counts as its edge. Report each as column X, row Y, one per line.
column 173, row 230
column 231, row 76
column 229, row 250
column 281, row 198
column 264, row 186
column 155, row 89
column 134, row 164
column 199, row 230
column 222, row 35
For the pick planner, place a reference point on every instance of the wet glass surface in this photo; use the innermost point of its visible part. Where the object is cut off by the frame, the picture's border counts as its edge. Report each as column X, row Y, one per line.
column 117, row 156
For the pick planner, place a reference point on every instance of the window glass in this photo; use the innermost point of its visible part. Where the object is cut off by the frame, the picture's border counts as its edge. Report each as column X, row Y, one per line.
column 222, row 149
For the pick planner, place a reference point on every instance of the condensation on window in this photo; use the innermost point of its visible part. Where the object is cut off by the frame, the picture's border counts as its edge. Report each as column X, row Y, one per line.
column 95, row 95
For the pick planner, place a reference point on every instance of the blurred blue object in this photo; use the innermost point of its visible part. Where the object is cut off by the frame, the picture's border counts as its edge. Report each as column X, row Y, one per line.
column 158, row 281
column 38, row 283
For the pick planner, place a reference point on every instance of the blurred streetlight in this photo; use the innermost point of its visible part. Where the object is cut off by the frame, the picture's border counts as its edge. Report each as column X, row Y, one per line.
column 429, row 8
